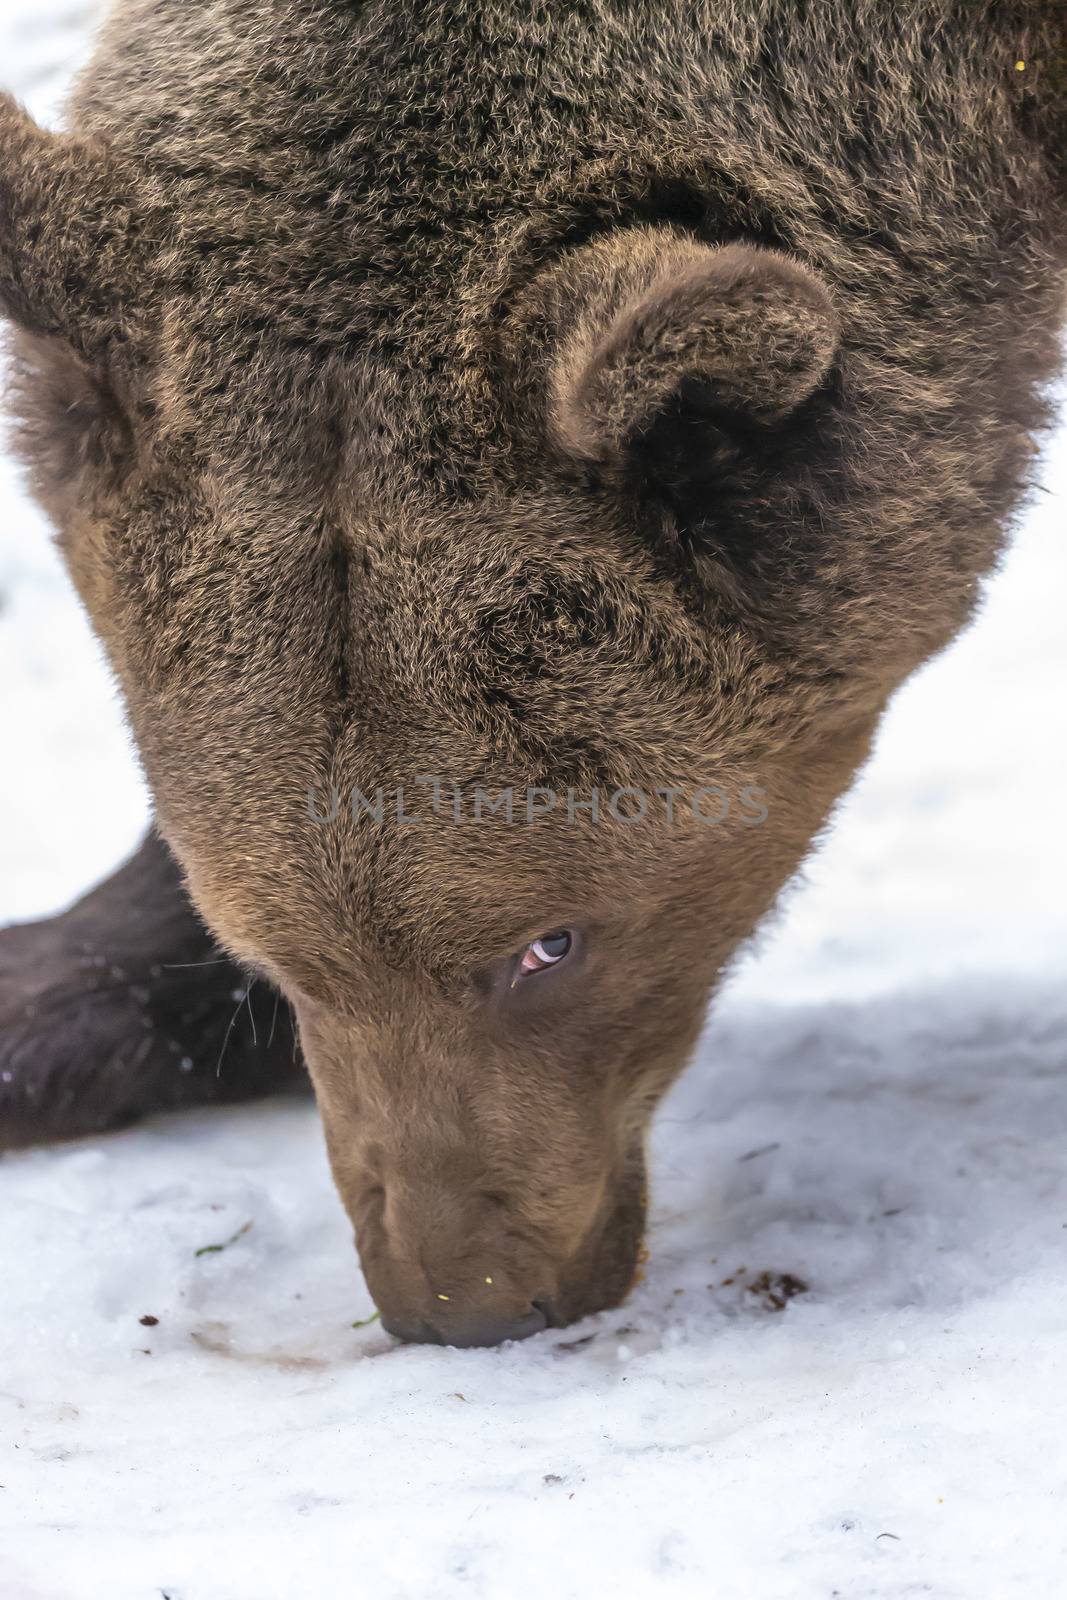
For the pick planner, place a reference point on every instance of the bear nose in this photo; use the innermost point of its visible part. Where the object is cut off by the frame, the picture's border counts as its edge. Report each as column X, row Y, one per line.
column 480, row 1328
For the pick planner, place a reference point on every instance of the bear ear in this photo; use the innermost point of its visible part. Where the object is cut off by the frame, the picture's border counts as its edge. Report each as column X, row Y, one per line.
column 660, row 335
column 68, row 228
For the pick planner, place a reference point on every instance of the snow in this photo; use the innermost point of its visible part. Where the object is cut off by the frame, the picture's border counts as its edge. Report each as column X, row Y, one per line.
column 878, row 1111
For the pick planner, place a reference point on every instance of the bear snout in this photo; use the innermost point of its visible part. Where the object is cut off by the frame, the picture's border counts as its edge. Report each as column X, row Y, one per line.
column 451, row 1270
column 470, row 1329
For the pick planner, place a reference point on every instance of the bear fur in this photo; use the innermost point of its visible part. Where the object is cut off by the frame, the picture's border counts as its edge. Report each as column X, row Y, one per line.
column 628, row 393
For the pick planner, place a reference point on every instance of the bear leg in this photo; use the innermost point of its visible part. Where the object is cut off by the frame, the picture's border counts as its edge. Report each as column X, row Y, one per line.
column 124, row 1005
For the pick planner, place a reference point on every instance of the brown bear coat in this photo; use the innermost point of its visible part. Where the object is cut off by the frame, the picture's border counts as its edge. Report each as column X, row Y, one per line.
column 543, row 400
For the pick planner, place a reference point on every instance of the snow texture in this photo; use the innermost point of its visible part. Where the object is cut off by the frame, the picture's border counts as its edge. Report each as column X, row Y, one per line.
column 878, row 1112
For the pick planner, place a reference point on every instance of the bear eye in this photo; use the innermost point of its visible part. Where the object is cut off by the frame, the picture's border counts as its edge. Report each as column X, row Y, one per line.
column 548, row 951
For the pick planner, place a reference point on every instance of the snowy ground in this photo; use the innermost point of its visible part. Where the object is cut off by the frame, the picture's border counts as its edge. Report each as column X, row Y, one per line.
column 879, row 1110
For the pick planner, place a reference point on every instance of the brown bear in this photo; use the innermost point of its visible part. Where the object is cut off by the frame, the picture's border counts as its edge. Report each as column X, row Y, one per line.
column 510, row 452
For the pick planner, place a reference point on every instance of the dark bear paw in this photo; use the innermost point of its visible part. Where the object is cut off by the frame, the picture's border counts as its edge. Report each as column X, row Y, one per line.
column 123, row 1006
